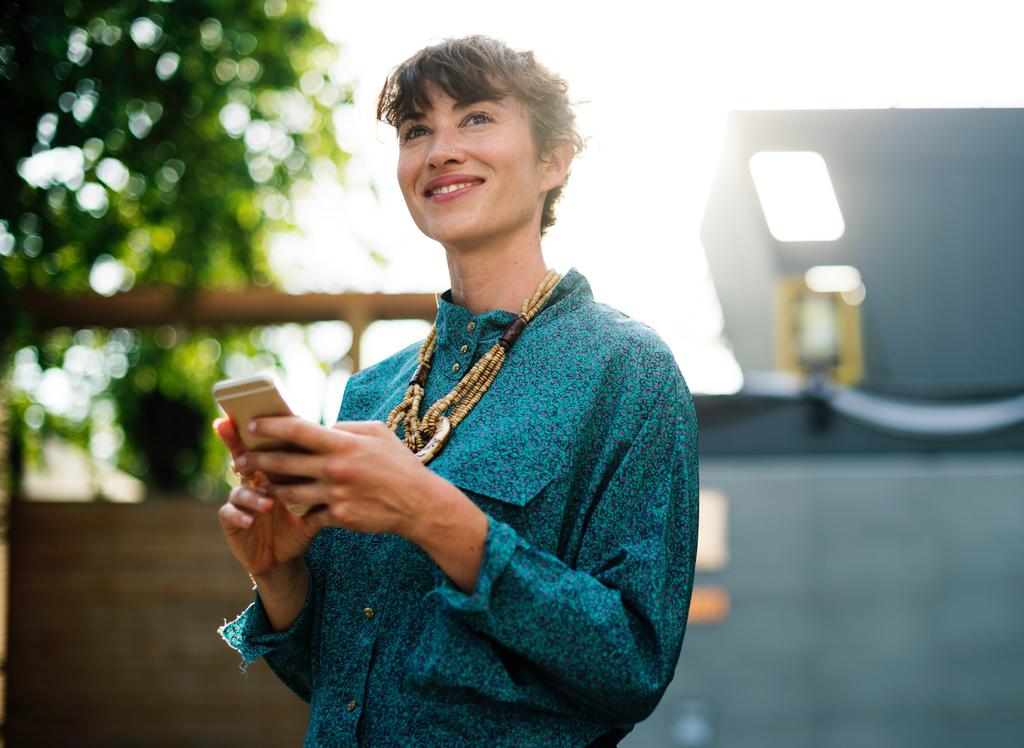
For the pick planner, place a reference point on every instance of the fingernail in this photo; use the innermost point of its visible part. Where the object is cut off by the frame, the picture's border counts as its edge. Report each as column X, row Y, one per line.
column 246, row 519
column 252, row 426
column 242, row 460
column 264, row 503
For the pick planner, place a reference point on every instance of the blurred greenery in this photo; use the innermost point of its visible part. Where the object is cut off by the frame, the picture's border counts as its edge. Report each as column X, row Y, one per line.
column 149, row 143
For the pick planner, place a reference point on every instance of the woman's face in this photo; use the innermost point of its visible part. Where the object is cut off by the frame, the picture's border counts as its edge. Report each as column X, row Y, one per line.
column 471, row 173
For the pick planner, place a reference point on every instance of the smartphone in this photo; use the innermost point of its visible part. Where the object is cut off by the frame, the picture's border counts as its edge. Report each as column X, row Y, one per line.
column 256, row 397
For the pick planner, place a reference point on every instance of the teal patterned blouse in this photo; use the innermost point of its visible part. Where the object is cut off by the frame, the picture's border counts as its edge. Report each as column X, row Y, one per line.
column 583, row 454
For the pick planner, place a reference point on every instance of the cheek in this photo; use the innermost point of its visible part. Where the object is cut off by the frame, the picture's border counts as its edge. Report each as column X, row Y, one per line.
column 527, row 182
column 406, row 176
column 403, row 184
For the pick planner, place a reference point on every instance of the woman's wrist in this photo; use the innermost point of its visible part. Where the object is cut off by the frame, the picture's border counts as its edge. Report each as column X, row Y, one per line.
column 281, row 577
column 451, row 530
column 283, row 592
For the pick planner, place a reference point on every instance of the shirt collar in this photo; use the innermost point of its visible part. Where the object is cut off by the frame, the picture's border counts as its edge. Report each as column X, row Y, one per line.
column 456, row 325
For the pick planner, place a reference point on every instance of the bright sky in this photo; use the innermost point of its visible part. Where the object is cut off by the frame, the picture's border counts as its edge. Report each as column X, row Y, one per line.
column 657, row 79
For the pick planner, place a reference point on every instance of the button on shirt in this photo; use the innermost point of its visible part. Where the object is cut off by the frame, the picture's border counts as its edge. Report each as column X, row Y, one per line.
column 583, row 455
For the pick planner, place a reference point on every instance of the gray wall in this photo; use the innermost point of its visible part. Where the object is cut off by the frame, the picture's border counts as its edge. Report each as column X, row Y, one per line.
column 875, row 601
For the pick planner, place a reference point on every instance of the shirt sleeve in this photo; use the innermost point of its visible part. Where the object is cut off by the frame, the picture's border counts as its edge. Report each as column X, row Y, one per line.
column 607, row 634
column 286, row 652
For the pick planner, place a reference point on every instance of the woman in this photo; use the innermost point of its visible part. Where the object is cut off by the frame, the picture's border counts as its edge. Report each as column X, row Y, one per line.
column 507, row 548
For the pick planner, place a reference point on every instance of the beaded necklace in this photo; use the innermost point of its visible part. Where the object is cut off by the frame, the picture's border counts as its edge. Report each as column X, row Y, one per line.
column 427, row 436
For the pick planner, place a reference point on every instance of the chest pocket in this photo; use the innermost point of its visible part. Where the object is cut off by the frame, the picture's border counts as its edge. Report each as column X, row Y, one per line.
column 511, row 483
column 507, row 463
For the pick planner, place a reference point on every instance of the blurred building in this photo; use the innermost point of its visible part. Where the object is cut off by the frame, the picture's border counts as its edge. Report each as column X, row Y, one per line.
column 870, row 270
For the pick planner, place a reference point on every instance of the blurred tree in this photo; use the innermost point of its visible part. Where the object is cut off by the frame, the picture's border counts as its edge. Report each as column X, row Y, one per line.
column 149, row 143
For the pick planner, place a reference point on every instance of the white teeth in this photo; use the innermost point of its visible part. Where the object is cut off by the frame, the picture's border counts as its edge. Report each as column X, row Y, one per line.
column 450, row 188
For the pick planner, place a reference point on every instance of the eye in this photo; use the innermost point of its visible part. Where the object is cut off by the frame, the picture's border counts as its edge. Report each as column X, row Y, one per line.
column 413, row 131
column 477, row 118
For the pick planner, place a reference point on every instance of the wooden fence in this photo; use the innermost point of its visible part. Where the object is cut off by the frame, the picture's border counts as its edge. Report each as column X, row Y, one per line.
column 113, row 640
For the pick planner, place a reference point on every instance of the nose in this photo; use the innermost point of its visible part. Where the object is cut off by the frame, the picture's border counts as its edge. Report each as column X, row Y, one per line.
column 445, row 149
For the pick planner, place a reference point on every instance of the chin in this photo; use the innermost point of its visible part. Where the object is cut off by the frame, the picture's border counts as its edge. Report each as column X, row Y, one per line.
column 456, row 234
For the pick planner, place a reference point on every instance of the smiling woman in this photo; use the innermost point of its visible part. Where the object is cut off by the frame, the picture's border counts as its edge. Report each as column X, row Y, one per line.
column 506, row 552
column 489, row 75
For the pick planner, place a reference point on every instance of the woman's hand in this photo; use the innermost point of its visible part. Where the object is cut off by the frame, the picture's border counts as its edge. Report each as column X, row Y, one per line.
column 261, row 533
column 371, row 482
column 366, row 476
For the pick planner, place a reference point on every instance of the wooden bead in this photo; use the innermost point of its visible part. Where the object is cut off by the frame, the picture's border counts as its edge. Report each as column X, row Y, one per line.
column 420, row 376
column 512, row 333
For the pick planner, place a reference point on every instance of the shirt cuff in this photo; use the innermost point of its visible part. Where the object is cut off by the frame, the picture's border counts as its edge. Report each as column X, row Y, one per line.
column 499, row 545
column 252, row 634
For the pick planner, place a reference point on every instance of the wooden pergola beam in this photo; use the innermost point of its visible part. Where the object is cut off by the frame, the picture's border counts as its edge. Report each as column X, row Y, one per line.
column 150, row 307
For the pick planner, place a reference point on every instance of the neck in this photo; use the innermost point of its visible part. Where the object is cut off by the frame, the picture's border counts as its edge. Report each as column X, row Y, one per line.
column 495, row 276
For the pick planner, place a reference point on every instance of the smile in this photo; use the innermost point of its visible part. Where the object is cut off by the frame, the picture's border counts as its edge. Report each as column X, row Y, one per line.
column 451, row 188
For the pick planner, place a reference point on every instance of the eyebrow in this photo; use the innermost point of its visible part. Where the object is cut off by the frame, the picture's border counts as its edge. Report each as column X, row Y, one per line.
column 459, row 105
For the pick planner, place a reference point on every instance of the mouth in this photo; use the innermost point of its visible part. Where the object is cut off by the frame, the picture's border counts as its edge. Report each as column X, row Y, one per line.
column 451, row 186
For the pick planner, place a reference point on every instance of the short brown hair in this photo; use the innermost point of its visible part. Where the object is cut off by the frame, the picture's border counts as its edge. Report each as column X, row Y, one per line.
column 476, row 68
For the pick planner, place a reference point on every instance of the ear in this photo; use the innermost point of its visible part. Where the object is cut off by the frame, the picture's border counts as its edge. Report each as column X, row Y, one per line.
column 555, row 165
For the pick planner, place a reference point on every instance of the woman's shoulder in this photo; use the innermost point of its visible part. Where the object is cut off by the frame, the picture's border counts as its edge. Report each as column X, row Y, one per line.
column 625, row 332
column 367, row 387
column 607, row 342
column 393, row 365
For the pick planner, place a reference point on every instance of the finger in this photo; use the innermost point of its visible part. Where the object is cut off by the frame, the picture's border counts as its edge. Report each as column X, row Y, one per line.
column 225, row 429
column 364, row 428
column 249, row 477
column 228, row 433
column 251, row 500
column 231, row 517
column 302, row 493
column 254, row 479
column 311, row 436
column 283, row 463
